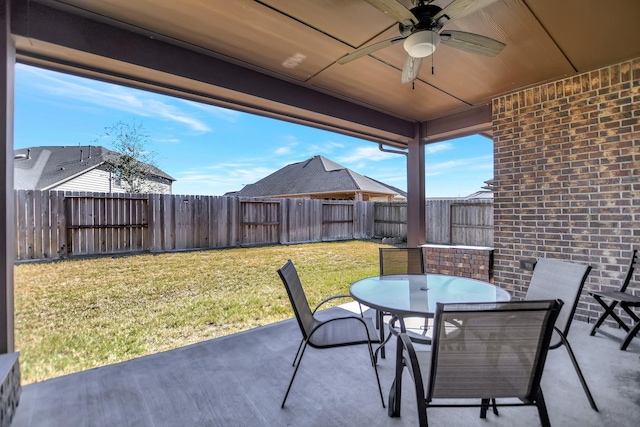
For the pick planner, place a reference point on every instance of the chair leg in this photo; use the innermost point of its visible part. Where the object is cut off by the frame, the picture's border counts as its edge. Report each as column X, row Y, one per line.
column 381, row 347
column 294, row 373
column 395, row 394
column 608, row 311
column 630, row 336
column 484, row 405
column 633, row 330
column 578, row 370
column 375, row 367
column 380, row 322
column 542, row 409
column 297, row 352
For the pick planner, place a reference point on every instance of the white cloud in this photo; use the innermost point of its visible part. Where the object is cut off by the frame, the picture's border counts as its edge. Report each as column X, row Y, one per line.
column 293, row 144
column 115, row 97
column 474, row 163
column 283, row 150
column 326, row 148
column 167, row 140
column 174, row 114
column 290, row 144
column 221, row 113
column 371, row 153
column 440, row 146
column 395, row 177
column 219, row 179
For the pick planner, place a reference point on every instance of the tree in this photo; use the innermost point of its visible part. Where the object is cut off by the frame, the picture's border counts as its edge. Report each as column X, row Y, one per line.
column 130, row 162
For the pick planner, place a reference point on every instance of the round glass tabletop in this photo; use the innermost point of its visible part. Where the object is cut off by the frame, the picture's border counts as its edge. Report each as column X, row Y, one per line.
column 410, row 294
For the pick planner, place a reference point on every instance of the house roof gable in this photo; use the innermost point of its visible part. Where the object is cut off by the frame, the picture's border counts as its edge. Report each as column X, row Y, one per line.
column 48, row 166
column 313, row 176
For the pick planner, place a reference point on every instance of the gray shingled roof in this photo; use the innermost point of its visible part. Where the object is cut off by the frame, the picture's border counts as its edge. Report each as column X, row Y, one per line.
column 316, row 175
column 48, row 166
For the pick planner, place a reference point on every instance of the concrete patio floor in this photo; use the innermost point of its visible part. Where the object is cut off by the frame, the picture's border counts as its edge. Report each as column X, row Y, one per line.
column 239, row 380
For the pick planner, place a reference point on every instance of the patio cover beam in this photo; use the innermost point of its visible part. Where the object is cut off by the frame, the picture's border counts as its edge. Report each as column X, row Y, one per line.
column 469, row 122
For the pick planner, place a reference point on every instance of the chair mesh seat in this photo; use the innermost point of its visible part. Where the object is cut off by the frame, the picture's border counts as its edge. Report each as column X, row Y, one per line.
column 617, row 295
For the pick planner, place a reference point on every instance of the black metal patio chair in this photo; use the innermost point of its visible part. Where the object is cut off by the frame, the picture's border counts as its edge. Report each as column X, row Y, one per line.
column 609, row 301
column 397, row 261
column 499, row 353
column 401, row 261
column 555, row 279
column 331, row 331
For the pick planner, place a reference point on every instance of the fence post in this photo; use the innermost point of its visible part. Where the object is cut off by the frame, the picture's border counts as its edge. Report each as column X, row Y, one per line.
column 234, row 222
column 283, row 219
column 152, row 221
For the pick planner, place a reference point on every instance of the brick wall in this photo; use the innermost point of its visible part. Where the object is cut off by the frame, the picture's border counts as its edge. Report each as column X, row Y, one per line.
column 567, row 168
column 475, row 262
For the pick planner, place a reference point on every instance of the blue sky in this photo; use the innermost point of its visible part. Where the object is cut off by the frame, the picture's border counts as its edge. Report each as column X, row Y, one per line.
column 211, row 150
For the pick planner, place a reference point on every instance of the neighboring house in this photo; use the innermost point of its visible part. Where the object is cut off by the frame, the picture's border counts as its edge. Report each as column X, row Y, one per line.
column 320, row 178
column 485, row 193
column 482, row 194
column 79, row 168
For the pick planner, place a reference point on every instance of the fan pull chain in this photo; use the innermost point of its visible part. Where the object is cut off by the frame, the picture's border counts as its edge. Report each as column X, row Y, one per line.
column 433, row 69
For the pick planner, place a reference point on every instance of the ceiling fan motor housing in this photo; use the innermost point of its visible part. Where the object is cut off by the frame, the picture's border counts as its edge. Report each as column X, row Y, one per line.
column 425, row 14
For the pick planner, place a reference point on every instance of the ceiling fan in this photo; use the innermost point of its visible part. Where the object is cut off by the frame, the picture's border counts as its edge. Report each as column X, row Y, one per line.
column 421, row 29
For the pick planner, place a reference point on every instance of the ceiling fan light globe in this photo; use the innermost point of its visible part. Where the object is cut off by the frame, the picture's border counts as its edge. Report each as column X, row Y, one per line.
column 422, row 43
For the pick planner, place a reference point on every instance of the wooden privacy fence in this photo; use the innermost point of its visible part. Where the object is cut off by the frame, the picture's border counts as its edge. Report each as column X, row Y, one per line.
column 55, row 224
column 460, row 222
column 449, row 221
column 52, row 224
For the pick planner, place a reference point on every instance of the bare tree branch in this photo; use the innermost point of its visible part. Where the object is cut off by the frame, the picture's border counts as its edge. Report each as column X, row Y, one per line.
column 131, row 161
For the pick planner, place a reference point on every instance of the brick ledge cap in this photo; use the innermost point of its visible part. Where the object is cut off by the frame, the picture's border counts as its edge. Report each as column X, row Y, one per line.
column 476, row 248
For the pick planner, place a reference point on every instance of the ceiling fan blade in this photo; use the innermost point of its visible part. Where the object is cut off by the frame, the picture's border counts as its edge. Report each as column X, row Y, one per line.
column 411, row 69
column 470, row 42
column 395, row 10
column 368, row 49
column 460, row 8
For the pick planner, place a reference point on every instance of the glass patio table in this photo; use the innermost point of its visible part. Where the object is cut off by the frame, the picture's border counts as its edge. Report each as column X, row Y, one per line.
column 407, row 295
column 416, row 295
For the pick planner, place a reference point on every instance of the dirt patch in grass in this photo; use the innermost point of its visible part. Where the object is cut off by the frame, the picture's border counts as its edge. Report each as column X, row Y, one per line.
column 79, row 314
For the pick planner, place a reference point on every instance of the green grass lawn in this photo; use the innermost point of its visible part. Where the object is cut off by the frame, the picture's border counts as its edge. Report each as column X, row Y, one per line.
column 76, row 315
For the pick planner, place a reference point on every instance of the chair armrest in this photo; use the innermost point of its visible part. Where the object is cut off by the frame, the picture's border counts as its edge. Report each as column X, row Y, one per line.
column 330, row 299
column 414, row 336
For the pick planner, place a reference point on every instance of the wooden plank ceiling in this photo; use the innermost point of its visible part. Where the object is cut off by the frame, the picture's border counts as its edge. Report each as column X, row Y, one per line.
column 298, row 43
